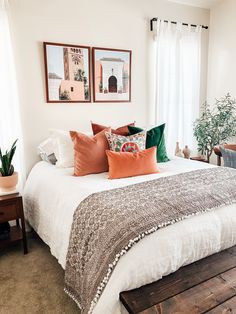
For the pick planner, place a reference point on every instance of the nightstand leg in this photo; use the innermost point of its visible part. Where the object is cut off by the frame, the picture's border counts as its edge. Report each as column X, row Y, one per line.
column 24, row 236
column 23, row 229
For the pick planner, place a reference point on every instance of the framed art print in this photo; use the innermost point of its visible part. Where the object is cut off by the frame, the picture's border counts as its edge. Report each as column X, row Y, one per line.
column 67, row 69
column 111, row 75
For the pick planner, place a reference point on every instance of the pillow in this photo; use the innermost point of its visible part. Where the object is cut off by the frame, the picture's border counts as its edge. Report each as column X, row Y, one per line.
column 90, row 153
column 131, row 144
column 123, row 165
column 63, row 148
column 46, row 151
column 155, row 137
column 229, row 157
column 123, row 130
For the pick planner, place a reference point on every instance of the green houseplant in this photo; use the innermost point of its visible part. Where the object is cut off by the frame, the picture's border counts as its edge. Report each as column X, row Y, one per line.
column 216, row 125
column 8, row 177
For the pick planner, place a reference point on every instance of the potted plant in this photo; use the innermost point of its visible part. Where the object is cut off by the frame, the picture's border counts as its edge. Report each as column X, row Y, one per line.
column 8, row 177
column 216, row 125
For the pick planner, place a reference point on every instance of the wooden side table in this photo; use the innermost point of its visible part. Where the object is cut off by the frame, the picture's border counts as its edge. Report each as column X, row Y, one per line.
column 11, row 208
column 199, row 159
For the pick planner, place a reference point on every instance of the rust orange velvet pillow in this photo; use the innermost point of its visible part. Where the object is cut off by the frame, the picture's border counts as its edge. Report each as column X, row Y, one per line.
column 123, row 130
column 90, row 153
column 123, row 165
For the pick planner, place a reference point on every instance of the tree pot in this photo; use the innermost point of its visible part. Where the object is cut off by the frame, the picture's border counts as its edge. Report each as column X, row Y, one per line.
column 9, row 183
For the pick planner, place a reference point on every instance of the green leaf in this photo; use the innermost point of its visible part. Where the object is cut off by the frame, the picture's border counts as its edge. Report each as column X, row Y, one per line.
column 7, row 168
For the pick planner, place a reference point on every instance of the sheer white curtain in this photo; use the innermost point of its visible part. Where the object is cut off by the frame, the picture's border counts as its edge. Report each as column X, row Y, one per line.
column 177, row 81
column 10, row 126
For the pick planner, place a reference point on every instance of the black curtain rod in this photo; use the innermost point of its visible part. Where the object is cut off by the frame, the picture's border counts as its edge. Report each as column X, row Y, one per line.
column 172, row 22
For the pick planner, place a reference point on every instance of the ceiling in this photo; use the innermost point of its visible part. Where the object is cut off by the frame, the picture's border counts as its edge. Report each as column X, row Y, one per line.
column 207, row 4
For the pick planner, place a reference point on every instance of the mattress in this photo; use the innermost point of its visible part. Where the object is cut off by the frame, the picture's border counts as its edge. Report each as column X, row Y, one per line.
column 51, row 196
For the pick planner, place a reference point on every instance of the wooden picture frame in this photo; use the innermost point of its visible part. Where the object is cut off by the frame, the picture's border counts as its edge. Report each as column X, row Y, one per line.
column 111, row 74
column 67, row 73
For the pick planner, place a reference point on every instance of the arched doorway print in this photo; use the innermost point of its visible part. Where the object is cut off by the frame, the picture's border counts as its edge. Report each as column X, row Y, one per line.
column 112, row 84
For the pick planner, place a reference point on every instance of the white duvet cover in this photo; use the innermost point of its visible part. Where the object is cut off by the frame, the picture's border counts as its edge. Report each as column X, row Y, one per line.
column 56, row 193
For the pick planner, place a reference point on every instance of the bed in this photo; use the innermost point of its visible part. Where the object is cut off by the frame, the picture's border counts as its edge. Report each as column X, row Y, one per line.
column 51, row 196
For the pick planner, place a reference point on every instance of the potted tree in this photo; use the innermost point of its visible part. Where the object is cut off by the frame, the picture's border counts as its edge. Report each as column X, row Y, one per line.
column 8, row 177
column 216, row 125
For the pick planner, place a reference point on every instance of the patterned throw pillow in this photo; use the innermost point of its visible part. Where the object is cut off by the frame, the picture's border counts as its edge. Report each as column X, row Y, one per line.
column 229, row 157
column 132, row 144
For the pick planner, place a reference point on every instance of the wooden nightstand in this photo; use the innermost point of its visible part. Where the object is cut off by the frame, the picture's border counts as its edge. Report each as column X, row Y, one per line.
column 11, row 208
column 199, row 159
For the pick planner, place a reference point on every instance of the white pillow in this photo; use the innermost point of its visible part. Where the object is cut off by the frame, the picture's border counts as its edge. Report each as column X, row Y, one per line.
column 63, row 148
column 46, row 151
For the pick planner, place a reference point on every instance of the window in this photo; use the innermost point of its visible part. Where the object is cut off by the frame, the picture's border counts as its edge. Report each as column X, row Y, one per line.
column 177, row 81
column 10, row 128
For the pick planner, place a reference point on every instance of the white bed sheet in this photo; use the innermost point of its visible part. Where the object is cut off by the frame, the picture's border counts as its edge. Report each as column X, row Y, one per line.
column 55, row 195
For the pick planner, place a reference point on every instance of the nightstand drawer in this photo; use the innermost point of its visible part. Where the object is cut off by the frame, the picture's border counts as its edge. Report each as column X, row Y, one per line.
column 8, row 212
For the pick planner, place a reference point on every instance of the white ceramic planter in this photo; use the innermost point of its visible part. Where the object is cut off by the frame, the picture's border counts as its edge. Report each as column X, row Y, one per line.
column 9, row 183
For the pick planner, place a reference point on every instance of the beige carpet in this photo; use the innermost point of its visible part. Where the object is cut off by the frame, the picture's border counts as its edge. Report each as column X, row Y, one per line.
column 32, row 283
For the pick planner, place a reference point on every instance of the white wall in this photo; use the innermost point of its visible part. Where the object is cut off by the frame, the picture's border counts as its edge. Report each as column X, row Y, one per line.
column 222, row 50
column 103, row 23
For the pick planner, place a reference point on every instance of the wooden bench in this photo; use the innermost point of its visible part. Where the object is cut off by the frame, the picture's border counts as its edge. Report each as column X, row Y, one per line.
column 206, row 286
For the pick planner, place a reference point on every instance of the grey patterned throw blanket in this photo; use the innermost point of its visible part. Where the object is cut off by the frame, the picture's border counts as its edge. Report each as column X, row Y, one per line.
column 107, row 224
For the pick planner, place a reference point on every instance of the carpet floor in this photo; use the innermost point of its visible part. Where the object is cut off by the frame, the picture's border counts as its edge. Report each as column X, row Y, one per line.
column 32, row 283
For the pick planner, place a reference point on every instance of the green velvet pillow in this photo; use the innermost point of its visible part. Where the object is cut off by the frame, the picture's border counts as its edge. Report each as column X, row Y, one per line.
column 155, row 137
